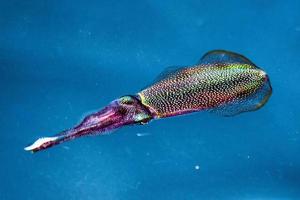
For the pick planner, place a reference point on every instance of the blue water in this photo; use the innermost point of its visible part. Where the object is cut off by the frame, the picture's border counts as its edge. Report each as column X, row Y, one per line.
column 62, row 59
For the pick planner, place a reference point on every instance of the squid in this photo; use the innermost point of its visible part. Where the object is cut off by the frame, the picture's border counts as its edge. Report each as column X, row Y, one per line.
column 222, row 82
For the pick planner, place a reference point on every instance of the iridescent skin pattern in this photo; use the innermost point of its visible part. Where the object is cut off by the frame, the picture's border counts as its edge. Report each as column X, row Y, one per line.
column 209, row 86
column 222, row 82
column 202, row 87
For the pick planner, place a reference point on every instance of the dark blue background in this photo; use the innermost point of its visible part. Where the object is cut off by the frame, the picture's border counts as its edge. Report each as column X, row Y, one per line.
column 62, row 59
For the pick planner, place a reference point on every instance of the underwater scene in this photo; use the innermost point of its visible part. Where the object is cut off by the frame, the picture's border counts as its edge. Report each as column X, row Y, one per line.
column 150, row 100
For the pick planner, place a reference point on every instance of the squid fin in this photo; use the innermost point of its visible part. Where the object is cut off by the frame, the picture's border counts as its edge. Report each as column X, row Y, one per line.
column 166, row 73
column 223, row 56
column 251, row 103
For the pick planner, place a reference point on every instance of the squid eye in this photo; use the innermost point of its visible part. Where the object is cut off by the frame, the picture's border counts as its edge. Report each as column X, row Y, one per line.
column 128, row 100
column 142, row 118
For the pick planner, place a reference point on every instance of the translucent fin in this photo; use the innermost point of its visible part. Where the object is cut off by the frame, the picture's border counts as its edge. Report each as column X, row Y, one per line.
column 222, row 56
column 251, row 103
column 167, row 72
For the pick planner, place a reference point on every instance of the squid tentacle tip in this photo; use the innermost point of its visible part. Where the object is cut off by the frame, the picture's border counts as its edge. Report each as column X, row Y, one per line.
column 39, row 142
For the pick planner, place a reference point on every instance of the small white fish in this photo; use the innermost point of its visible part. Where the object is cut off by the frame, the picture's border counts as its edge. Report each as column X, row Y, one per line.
column 66, row 147
column 142, row 134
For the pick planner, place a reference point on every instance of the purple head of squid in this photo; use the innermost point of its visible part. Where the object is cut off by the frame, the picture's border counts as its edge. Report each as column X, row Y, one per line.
column 123, row 111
